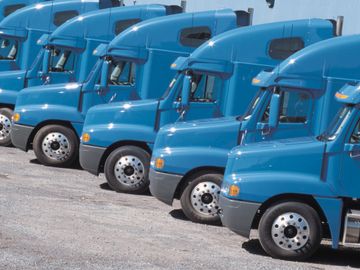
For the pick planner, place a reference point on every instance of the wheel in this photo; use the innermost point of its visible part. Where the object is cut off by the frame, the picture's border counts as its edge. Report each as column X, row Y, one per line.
column 200, row 198
column 290, row 231
column 56, row 145
column 5, row 126
column 127, row 170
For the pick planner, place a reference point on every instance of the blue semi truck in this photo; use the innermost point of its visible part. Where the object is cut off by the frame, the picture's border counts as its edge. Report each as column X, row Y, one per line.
column 299, row 191
column 135, row 66
column 215, row 81
column 67, row 54
column 189, row 165
column 20, row 34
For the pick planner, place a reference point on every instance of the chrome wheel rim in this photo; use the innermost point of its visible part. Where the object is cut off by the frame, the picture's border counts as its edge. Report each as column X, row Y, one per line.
column 290, row 231
column 205, row 198
column 5, row 127
column 129, row 170
column 56, row 146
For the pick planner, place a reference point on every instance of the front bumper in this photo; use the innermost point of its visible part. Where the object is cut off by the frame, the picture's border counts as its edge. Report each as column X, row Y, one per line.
column 163, row 185
column 90, row 158
column 238, row 215
column 20, row 135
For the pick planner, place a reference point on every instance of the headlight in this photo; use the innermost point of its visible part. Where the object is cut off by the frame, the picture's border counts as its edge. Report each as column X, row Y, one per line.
column 159, row 163
column 85, row 137
column 16, row 117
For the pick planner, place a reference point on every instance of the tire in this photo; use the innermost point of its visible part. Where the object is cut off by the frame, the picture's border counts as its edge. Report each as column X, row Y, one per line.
column 5, row 126
column 200, row 198
column 56, row 145
column 294, row 246
column 127, row 170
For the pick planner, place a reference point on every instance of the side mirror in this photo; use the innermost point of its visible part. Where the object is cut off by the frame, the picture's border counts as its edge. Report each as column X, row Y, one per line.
column 46, row 62
column 185, row 93
column 104, row 74
column 274, row 111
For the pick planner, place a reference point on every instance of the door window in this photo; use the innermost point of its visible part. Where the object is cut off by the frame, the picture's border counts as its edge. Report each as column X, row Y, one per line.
column 62, row 60
column 355, row 136
column 294, row 109
column 203, row 88
column 122, row 73
column 9, row 49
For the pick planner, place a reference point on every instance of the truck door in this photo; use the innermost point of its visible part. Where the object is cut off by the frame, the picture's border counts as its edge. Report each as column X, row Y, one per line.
column 350, row 167
column 204, row 100
column 296, row 110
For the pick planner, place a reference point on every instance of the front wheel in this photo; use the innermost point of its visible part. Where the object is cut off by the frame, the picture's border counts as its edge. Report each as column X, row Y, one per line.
column 56, row 145
column 200, row 199
column 127, row 169
column 290, row 231
column 5, row 126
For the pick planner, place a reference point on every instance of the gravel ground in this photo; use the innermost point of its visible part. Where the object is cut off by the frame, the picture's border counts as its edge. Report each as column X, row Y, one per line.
column 54, row 218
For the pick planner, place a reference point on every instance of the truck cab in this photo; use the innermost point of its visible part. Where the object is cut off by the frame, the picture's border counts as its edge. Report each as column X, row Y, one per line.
column 296, row 101
column 299, row 191
column 67, row 54
column 209, row 84
column 20, row 35
column 134, row 66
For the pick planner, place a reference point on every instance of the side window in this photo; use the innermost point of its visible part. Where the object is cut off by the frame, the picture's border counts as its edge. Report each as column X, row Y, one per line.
column 195, row 36
column 203, row 88
column 122, row 25
column 122, row 73
column 63, row 16
column 62, row 61
column 284, row 47
column 295, row 108
column 12, row 8
column 355, row 136
column 8, row 49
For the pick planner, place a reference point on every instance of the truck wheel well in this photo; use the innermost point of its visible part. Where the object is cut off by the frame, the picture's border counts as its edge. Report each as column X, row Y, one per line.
column 46, row 123
column 112, row 147
column 196, row 171
column 9, row 106
column 309, row 200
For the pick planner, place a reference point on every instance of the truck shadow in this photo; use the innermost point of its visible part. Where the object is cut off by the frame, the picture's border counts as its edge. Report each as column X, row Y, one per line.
column 325, row 255
column 105, row 186
column 179, row 214
column 75, row 166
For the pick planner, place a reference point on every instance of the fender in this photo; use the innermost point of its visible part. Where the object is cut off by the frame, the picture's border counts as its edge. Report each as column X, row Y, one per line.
column 178, row 160
column 109, row 134
column 34, row 115
column 260, row 187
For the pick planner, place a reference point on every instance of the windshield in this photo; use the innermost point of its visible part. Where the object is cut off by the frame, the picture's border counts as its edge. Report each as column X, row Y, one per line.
column 8, row 49
column 61, row 60
column 122, row 72
column 336, row 125
column 253, row 105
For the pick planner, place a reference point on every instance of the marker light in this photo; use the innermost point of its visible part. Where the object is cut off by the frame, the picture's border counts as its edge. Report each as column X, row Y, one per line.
column 341, row 96
column 159, row 163
column 234, row 190
column 85, row 137
column 255, row 81
column 16, row 117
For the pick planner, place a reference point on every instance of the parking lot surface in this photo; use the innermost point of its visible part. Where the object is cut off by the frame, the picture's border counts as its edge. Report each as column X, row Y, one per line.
column 52, row 218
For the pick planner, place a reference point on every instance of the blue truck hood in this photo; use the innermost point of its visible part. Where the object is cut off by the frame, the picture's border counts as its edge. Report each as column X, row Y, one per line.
column 212, row 133
column 56, row 94
column 140, row 112
column 12, row 80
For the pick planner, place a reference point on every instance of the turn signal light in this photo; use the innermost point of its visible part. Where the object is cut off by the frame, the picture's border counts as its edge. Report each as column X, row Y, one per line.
column 159, row 163
column 16, row 117
column 85, row 137
column 234, row 190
